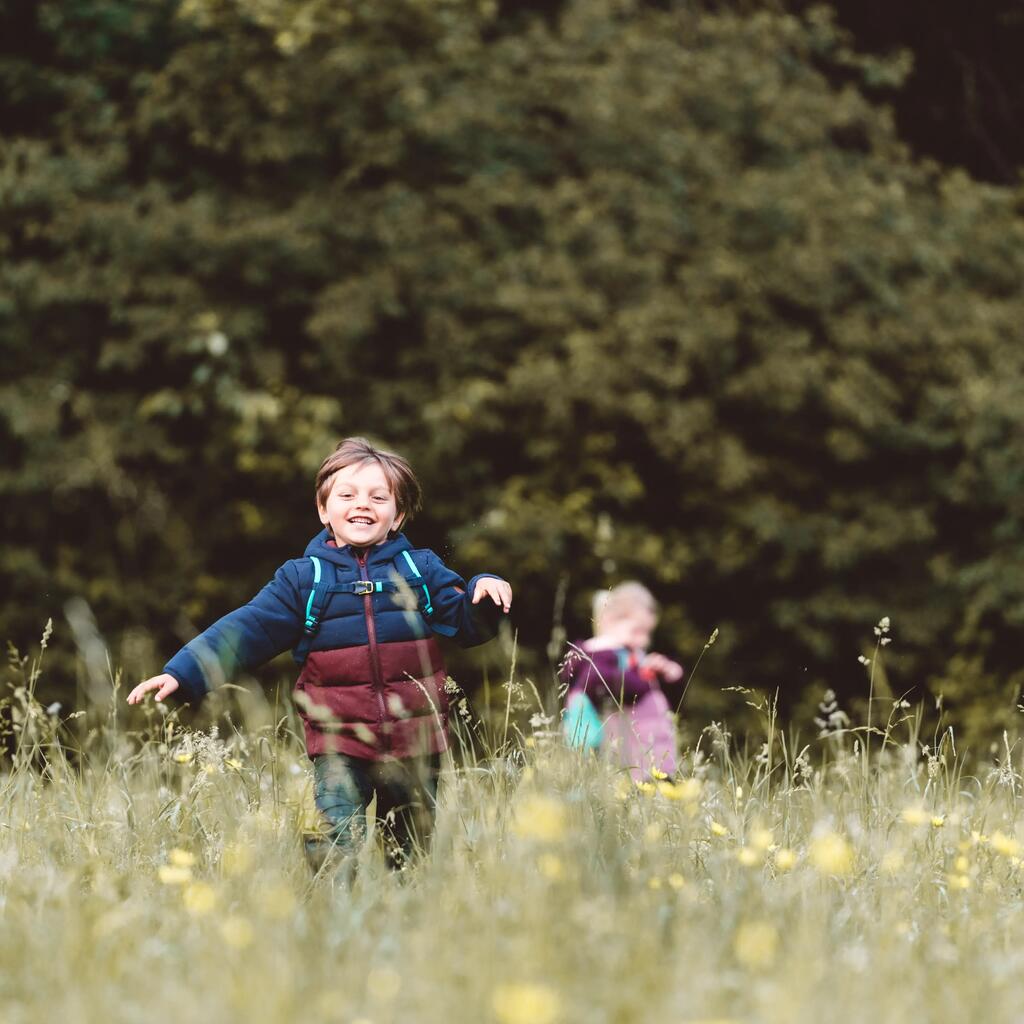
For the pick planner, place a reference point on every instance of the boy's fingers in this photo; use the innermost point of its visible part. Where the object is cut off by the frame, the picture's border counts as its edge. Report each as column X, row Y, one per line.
column 166, row 690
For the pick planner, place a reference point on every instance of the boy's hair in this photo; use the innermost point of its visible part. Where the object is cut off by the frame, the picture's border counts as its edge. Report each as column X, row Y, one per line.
column 397, row 471
column 624, row 599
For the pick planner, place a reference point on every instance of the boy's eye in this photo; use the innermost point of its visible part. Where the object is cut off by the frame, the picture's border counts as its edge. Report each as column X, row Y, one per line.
column 380, row 497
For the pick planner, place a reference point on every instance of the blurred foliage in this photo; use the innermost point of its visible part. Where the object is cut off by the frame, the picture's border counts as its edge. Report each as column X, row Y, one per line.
column 641, row 290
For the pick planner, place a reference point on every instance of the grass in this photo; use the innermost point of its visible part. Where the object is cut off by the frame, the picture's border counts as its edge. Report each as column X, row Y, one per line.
column 149, row 871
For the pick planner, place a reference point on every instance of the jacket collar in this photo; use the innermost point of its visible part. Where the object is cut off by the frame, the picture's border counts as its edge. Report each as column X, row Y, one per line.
column 383, row 553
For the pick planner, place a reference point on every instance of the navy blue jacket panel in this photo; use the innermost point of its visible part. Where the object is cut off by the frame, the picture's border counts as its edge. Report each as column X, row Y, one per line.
column 273, row 621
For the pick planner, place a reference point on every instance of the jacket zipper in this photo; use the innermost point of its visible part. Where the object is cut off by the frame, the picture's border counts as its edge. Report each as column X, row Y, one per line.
column 371, row 635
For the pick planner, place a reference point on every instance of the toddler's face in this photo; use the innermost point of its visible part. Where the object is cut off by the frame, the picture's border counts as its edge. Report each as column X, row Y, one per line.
column 632, row 630
column 360, row 507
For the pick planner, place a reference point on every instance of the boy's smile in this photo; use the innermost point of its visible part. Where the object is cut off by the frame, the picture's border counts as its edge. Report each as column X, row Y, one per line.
column 360, row 508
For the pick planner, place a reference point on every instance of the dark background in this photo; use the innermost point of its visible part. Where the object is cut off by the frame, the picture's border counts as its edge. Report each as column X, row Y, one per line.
column 721, row 297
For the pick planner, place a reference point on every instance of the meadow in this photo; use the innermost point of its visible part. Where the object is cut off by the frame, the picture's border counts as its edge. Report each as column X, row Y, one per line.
column 152, row 871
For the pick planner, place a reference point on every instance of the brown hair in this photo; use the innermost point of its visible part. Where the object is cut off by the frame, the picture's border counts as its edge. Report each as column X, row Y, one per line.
column 397, row 471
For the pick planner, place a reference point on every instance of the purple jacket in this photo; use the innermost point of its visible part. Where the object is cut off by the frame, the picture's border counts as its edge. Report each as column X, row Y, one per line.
column 608, row 675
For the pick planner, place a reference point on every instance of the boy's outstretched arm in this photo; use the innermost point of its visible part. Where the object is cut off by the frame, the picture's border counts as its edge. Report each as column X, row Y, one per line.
column 243, row 639
column 468, row 613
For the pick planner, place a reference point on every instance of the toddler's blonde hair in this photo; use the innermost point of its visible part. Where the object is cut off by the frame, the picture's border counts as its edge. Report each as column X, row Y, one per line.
column 625, row 599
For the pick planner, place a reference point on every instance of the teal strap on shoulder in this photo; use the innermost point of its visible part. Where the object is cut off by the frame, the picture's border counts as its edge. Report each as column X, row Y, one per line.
column 428, row 608
column 323, row 578
column 311, row 619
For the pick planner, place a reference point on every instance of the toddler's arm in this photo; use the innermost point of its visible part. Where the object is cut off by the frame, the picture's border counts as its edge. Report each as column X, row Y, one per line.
column 243, row 639
column 666, row 669
column 469, row 614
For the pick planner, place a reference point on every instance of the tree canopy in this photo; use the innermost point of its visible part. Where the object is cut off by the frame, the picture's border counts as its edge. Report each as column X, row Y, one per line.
column 642, row 290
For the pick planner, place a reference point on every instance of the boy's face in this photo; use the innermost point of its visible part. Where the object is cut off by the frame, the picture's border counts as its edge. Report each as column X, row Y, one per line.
column 360, row 508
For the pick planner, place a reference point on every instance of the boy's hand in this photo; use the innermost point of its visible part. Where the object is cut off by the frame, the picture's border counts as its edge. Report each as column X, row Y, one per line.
column 165, row 685
column 669, row 670
column 497, row 590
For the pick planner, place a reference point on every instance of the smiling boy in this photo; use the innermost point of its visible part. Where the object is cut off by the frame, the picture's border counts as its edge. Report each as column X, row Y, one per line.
column 360, row 611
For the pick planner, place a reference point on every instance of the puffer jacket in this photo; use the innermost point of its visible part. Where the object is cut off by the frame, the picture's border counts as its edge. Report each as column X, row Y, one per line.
column 372, row 678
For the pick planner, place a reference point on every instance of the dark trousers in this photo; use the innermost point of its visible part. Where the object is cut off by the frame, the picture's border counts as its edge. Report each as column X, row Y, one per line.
column 406, row 793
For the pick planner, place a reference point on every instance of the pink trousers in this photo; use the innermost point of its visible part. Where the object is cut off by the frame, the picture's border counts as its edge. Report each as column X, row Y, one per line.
column 643, row 737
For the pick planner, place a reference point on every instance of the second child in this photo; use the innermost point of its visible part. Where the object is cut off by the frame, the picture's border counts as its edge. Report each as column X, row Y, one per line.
column 615, row 698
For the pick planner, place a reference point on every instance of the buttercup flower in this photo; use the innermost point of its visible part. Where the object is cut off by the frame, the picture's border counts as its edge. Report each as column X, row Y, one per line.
column 755, row 944
column 831, row 854
column 526, row 1004
column 541, row 818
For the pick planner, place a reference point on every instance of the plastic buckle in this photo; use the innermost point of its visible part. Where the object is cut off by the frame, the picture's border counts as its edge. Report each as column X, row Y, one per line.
column 363, row 587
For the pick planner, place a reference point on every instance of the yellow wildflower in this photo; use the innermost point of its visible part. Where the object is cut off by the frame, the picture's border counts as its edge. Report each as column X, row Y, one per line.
column 654, row 883
column 653, row 832
column 658, row 774
column 761, row 838
column 959, row 882
column 181, row 858
column 785, row 859
column 1005, row 845
column 670, row 790
column 169, row 874
column 237, row 932
column 938, row 820
column 755, row 944
column 978, row 838
column 748, row 856
column 962, row 864
column 199, row 898
column 689, row 789
column 676, row 880
column 914, row 815
column 541, row 818
column 831, row 854
column 717, row 829
column 526, row 1004
column 550, row 866
column 183, row 757
column 383, row 983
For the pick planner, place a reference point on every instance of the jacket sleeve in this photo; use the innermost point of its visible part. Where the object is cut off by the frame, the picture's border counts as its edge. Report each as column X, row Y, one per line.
column 243, row 639
column 454, row 613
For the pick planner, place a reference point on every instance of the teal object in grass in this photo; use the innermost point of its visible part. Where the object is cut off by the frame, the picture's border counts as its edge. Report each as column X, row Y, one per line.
column 581, row 723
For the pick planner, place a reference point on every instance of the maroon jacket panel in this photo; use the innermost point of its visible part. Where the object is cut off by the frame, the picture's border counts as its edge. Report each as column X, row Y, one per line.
column 340, row 666
column 397, row 660
column 343, row 709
